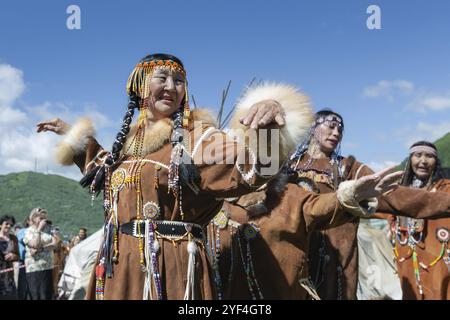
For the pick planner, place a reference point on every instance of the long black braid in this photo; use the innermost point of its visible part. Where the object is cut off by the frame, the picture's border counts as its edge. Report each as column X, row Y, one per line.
column 187, row 171
column 96, row 177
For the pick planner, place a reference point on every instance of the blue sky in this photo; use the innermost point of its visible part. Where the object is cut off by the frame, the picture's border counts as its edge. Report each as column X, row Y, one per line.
column 391, row 85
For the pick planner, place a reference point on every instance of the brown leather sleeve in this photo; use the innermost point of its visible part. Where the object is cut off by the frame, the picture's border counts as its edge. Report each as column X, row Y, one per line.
column 415, row 203
column 359, row 170
column 87, row 160
column 219, row 172
column 320, row 211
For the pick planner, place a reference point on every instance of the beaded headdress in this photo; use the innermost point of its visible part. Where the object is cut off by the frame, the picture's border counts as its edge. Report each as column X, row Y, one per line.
column 328, row 119
column 324, row 116
column 138, row 81
column 423, row 148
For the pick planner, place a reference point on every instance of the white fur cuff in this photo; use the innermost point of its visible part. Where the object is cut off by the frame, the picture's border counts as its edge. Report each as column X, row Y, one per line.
column 346, row 197
column 75, row 141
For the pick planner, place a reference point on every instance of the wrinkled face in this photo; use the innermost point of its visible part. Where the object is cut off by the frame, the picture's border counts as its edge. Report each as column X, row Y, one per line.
column 6, row 226
column 423, row 164
column 82, row 234
column 167, row 90
column 328, row 135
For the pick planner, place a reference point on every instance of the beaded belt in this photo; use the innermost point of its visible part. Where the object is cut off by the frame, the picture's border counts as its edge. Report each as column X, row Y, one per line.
column 170, row 230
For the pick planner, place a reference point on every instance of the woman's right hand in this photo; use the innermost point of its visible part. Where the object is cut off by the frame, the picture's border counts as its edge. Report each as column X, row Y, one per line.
column 42, row 224
column 376, row 184
column 9, row 256
column 56, row 125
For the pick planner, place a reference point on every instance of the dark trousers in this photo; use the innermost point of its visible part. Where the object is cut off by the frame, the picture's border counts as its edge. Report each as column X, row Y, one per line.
column 23, row 293
column 40, row 284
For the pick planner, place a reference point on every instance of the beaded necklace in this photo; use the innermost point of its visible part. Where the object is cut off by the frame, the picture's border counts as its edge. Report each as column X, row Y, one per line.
column 230, row 272
column 248, row 234
column 216, row 258
column 148, row 244
column 412, row 236
column 219, row 222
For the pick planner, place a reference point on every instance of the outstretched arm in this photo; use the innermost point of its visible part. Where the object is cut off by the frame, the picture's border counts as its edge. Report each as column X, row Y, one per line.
column 353, row 198
column 78, row 145
column 416, row 203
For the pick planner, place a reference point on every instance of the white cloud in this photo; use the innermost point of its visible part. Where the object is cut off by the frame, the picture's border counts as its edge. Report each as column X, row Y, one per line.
column 430, row 102
column 19, row 164
column 11, row 88
column 100, row 120
column 433, row 131
column 422, row 131
column 11, row 117
column 21, row 147
column 11, row 84
column 389, row 89
column 51, row 110
column 379, row 165
column 421, row 100
column 437, row 103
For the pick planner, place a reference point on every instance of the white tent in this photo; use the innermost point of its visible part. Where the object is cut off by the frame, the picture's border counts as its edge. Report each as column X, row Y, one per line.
column 78, row 268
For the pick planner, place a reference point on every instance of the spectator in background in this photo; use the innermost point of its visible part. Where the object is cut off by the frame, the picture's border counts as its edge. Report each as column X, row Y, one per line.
column 16, row 264
column 9, row 252
column 59, row 258
column 82, row 234
column 39, row 256
column 23, row 292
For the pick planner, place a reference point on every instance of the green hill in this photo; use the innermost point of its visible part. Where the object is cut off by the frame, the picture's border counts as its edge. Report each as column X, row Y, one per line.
column 68, row 204
column 443, row 145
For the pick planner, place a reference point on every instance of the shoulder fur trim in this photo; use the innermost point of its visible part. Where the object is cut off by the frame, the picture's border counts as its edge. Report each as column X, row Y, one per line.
column 159, row 133
column 204, row 116
column 297, row 108
column 75, row 141
column 155, row 137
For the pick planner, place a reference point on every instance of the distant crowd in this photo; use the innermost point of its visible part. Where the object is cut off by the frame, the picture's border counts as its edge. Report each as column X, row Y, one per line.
column 32, row 256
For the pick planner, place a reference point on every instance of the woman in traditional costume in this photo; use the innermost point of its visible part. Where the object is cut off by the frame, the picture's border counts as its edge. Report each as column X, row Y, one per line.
column 333, row 253
column 164, row 180
column 421, row 245
column 259, row 242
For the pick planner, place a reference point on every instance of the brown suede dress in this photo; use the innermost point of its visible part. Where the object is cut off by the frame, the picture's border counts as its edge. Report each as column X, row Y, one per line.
column 435, row 279
column 217, row 182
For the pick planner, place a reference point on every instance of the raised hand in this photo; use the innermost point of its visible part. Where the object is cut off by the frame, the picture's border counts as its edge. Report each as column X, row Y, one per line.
column 263, row 113
column 56, row 125
column 376, row 184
